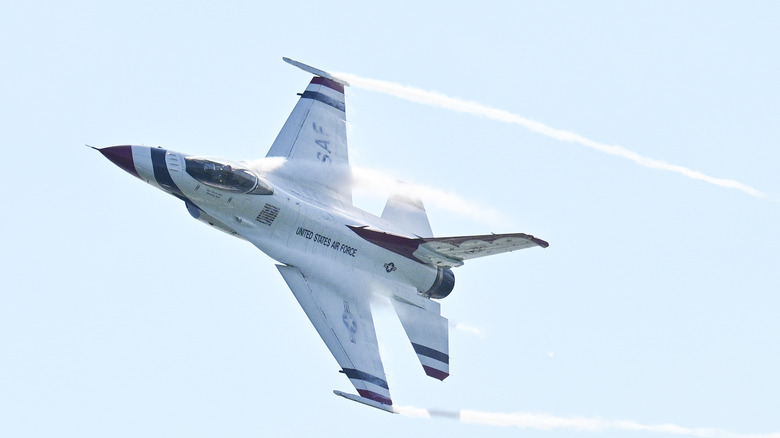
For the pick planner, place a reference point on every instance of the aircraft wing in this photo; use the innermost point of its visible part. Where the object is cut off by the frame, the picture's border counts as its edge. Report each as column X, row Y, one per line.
column 314, row 139
column 449, row 251
column 346, row 326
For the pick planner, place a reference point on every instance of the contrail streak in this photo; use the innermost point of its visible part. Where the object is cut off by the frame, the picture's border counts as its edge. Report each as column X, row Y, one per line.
column 528, row 420
column 442, row 101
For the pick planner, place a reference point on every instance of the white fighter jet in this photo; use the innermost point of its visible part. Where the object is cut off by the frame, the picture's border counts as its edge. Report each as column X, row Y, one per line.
column 296, row 206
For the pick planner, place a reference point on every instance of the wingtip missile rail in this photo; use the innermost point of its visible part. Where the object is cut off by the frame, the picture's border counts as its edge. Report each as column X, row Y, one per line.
column 365, row 401
column 315, row 71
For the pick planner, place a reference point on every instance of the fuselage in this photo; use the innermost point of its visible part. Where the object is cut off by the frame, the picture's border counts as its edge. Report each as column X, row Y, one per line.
column 296, row 206
column 277, row 215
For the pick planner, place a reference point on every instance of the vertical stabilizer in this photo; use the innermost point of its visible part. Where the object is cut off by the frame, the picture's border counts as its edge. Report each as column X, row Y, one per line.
column 408, row 215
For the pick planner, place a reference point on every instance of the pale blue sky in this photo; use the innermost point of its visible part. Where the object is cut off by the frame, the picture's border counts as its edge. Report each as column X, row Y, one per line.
column 656, row 302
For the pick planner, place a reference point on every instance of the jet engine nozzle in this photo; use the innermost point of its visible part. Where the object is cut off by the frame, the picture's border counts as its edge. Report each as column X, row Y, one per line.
column 445, row 282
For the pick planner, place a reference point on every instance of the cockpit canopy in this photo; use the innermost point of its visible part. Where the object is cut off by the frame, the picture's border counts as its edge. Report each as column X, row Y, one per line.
column 227, row 177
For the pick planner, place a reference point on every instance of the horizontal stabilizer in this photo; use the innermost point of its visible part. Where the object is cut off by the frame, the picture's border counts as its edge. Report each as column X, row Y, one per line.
column 449, row 251
column 365, row 401
column 428, row 332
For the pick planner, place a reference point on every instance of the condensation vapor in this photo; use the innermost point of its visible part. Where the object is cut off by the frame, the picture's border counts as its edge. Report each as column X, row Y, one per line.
column 547, row 422
column 436, row 99
column 378, row 183
column 381, row 184
column 467, row 328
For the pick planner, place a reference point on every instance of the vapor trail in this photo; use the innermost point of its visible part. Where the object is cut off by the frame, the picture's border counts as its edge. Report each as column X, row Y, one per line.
column 442, row 101
column 467, row 328
column 527, row 420
column 377, row 182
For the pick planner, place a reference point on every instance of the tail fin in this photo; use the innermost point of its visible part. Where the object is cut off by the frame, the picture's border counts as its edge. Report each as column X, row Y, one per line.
column 408, row 215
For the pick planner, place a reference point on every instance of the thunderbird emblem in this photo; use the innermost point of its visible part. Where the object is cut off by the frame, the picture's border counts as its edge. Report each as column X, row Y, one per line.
column 349, row 323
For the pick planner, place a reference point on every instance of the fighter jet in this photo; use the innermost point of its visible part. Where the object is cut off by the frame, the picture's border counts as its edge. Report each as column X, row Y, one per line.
column 295, row 205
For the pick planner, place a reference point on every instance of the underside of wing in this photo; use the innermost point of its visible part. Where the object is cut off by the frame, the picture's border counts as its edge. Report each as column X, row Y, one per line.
column 346, row 326
column 313, row 140
column 449, row 251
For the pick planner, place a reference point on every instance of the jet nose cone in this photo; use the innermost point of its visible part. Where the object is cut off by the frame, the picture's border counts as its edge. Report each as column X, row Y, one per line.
column 122, row 156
